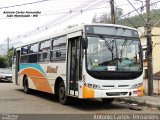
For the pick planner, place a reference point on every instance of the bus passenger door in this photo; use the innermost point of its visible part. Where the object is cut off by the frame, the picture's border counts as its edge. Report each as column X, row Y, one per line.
column 73, row 66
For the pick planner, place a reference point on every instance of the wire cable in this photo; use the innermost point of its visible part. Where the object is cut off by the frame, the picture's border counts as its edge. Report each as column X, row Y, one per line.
column 137, row 11
column 87, row 5
column 24, row 4
column 60, row 19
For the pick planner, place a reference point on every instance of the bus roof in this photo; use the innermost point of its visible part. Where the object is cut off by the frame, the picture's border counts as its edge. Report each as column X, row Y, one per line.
column 68, row 31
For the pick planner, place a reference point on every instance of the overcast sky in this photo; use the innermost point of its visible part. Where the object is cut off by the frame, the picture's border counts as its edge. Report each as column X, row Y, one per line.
column 59, row 13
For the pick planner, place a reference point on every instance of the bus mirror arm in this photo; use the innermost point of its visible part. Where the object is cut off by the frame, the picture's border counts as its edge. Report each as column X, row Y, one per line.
column 84, row 43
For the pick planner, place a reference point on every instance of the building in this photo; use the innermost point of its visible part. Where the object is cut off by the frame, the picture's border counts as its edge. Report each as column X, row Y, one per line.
column 155, row 55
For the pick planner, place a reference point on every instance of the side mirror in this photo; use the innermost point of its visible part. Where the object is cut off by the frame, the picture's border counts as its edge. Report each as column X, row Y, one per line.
column 84, row 43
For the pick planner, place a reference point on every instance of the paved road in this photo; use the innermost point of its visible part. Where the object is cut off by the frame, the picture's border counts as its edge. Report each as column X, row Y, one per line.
column 14, row 100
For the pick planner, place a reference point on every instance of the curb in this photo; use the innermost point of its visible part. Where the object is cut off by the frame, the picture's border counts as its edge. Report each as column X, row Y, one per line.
column 153, row 104
column 141, row 101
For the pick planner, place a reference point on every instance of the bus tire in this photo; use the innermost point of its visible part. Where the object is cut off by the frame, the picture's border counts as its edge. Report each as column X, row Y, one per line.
column 25, row 85
column 107, row 100
column 63, row 98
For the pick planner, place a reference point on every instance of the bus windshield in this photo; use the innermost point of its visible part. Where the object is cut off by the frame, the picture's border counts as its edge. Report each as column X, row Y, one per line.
column 113, row 54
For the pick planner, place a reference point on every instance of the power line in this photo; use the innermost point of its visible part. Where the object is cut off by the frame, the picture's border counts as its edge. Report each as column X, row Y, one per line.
column 59, row 18
column 56, row 13
column 69, row 11
column 156, row 24
column 67, row 16
column 43, row 27
column 87, row 5
column 18, row 5
column 137, row 11
column 151, row 4
column 72, row 10
column 30, row 3
column 124, row 4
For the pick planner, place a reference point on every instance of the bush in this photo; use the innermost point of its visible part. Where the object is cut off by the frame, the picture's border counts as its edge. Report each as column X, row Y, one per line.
column 3, row 63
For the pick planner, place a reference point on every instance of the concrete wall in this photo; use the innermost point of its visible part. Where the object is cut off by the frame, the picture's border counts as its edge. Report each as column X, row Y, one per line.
column 156, row 47
column 156, row 86
column 156, row 50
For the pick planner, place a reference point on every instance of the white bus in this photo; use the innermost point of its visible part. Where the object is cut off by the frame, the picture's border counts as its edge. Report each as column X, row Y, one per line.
column 86, row 61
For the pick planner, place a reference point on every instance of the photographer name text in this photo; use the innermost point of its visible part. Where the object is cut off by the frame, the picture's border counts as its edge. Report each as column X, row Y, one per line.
column 22, row 13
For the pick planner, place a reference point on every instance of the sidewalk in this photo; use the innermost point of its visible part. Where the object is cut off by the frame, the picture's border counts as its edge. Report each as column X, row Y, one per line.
column 153, row 101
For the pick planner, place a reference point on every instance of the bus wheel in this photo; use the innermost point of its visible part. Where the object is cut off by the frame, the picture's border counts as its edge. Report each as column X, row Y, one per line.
column 63, row 99
column 107, row 100
column 25, row 85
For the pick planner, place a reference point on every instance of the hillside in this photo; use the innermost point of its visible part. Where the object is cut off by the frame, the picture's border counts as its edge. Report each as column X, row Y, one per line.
column 134, row 21
column 137, row 21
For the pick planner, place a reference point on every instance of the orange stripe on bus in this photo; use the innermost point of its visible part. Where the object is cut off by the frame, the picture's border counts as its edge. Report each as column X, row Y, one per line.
column 40, row 83
column 88, row 92
column 142, row 91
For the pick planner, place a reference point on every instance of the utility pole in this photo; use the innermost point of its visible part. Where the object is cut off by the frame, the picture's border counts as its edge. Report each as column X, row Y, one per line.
column 8, row 40
column 112, row 11
column 8, row 44
column 149, row 50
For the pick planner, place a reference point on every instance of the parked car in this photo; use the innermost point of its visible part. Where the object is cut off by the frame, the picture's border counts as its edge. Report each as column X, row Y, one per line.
column 5, row 74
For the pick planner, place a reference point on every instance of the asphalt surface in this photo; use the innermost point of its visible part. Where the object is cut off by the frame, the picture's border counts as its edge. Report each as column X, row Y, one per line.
column 14, row 101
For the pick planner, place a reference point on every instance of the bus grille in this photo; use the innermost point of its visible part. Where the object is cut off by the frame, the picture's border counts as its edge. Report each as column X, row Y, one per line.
column 114, row 87
column 116, row 93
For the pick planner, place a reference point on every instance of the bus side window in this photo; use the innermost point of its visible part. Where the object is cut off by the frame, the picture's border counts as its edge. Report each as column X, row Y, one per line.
column 58, row 52
column 33, row 51
column 24, row 54
column 44, row 51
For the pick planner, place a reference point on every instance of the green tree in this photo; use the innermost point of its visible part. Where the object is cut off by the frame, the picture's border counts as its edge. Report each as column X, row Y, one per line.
column 133, row 21
column 95, row 19
column 136, row 20
column 106, row 17
column 6, row 61
column 118, row 12
column 3, row 63
column 9, row 57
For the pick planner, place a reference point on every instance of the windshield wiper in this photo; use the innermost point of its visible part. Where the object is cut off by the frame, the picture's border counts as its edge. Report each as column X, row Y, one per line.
column 125, row 42
column 109, row 45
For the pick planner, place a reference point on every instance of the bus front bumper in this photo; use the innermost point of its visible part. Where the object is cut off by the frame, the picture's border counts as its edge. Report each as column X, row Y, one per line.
column 111, row 93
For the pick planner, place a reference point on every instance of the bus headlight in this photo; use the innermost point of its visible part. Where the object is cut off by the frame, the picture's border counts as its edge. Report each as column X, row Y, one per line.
column 137, row 85
column 93, row 86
